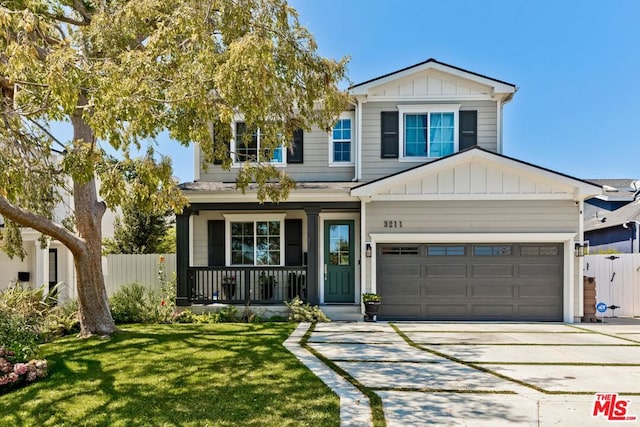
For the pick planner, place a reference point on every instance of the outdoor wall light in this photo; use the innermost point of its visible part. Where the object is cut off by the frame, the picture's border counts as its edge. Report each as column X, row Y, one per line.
column 581, row 249
column 367, row 250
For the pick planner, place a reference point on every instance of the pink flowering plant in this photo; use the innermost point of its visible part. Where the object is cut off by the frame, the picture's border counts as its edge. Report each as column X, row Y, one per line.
column 13, row 375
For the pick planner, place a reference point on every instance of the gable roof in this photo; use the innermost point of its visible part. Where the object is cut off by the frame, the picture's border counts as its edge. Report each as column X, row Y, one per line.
column 548, row 178
column 501, row 85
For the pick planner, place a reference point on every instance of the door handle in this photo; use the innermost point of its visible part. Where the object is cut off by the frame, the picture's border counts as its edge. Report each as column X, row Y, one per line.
column 325, row 272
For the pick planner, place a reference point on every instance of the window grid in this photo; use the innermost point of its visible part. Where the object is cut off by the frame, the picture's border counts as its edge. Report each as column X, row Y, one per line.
column 341, row 136
column 248, row 148
column 437, row 139
column 255, row 243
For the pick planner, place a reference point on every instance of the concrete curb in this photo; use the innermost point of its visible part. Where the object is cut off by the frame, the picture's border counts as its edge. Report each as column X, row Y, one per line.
column 354, row 406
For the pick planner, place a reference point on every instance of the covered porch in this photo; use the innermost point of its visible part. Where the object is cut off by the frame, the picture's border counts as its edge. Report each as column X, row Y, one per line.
column 208, row 270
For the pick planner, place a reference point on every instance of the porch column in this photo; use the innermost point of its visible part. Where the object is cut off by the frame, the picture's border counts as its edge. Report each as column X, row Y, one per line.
column 41, row 267
column 183, row 293
column 313, row 257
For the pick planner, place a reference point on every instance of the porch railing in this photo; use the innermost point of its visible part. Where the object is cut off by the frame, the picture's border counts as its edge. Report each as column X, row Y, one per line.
column 243, row 285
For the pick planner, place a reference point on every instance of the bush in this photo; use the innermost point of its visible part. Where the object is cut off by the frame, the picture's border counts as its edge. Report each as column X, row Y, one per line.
column 300, row 312
column 129, row 304
column 26, row 303
column 229, row 314
column 61, row 320
column 18, row 337
column 13, row 375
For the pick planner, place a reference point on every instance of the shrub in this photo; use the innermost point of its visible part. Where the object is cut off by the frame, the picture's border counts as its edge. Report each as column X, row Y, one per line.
column 130, row 304
column 185, row 316
column 18, row 337
column 13, row 375
column 229, row 314
column 301, row 312
column 61, row 320
column 25, row 303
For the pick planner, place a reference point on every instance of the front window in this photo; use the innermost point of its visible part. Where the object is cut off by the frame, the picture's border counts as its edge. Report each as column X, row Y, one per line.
column 256, row 242
column 428, row 131
column 247, row 147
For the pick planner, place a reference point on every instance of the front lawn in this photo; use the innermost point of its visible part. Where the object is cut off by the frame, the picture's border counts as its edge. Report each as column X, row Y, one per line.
column 183, row 375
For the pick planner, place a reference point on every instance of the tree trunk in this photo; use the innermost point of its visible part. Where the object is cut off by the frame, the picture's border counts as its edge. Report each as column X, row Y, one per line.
column 93, row 304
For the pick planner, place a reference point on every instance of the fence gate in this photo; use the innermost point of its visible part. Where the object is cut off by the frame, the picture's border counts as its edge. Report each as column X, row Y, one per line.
column 617, row 282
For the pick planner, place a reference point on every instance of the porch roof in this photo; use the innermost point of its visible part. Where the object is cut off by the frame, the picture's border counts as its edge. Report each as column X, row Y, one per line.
column 227, row 191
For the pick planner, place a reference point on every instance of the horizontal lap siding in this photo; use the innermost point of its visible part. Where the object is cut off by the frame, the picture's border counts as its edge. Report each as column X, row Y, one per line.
column 374, row 167
column 473, row 216
column 315, row 166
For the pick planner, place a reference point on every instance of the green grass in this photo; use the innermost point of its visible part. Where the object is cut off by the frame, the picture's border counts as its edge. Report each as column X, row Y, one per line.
column 182, row 375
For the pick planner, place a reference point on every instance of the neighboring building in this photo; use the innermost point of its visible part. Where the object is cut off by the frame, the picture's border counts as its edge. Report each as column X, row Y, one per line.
column 409, row 196
column 614, row 231
column 616, row 193
column 49, row 266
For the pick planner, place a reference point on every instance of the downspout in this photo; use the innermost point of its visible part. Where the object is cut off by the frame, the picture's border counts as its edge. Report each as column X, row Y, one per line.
column 499, row 129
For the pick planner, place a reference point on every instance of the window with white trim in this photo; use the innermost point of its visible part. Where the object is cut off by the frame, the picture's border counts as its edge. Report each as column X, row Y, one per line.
column 341, row 141
column 246, row 146
column 428, row 131
column 256, row 241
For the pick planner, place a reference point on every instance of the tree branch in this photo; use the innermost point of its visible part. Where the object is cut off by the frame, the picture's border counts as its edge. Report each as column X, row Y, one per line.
column 43, row 225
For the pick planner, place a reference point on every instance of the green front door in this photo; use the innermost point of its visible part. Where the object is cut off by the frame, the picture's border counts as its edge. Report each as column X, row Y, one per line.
column 339, row 262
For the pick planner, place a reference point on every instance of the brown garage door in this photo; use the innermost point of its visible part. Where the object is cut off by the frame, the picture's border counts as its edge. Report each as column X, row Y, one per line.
column 514, row 281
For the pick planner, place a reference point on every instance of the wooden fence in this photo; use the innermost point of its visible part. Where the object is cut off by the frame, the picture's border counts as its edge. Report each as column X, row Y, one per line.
column 123, row 269
column 617, row 282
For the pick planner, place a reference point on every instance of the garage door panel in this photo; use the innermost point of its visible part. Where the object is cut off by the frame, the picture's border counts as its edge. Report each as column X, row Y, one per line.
column 539, row 271
column 493, row 290
column 535, row 291
column 446, row 311
column 492, row 270
column 446, row 290
column 492, row 311
column 402, row 288
column 398, row 311
column 436, row 282
column 403, row 269
column 452, row 270
column 538, row 311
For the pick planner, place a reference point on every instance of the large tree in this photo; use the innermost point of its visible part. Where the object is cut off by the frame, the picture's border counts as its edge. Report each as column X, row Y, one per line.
column 120, row 72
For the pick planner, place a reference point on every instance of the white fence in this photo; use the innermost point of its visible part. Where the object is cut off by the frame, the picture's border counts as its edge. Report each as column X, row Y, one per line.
column 123, row 269
column 617, row 282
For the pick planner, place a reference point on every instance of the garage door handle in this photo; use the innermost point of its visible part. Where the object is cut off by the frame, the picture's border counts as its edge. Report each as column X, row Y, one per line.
column 325, row 272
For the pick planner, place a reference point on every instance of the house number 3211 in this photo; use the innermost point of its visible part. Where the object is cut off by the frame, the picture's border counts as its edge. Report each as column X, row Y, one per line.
column 393, row 224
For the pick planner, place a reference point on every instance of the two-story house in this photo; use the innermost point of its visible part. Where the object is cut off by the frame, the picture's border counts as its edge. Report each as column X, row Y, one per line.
column 408, row 196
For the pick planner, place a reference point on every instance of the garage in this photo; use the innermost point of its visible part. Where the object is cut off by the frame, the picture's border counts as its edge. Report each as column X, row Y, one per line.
column 471, row 281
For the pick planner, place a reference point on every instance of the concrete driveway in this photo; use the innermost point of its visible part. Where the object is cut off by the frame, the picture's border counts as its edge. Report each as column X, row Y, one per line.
column 491, row 374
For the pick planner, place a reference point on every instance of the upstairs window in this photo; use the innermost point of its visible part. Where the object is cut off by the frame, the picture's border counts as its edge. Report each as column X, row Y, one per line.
column 247, row 147
column 428, row 132
column 340, row 142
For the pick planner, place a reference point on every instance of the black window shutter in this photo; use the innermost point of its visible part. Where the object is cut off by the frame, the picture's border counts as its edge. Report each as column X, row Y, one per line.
column 389, row 131
column 468, row 129
column 216, row 243
column 221, row 135
column 295, row 153
column 293, row 242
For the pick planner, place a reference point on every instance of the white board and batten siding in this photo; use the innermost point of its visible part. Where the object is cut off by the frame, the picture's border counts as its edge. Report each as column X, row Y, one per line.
column 617, row 282
column 123, row 269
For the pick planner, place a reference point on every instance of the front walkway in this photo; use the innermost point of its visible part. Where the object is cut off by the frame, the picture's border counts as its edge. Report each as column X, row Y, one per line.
column 481, row 374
